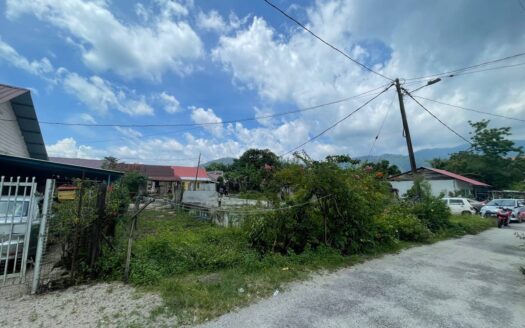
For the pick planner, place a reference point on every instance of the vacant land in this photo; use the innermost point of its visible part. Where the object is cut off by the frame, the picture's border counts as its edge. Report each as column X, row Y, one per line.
column 202, row 271
column 189, row 271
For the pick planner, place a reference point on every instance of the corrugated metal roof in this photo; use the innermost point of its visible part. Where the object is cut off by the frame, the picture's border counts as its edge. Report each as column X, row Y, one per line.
column 91, row 163
column 189, row 172
column 458, row 177
column 8, row 92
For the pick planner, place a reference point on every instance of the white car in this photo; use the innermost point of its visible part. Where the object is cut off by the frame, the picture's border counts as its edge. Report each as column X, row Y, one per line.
column 459, row 205
column 491, row 208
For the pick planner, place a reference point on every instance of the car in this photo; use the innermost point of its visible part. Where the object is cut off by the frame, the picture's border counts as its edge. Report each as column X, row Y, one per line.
column 476, row 204
column 13, row 225
column 491, row 208
column 459, row 205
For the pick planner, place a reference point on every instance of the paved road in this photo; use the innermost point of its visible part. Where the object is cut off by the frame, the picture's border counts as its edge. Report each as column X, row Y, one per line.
column 469, row 282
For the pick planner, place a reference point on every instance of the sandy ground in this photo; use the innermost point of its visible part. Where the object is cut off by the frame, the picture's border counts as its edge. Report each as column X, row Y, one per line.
column 474, row 281
column 100, row 305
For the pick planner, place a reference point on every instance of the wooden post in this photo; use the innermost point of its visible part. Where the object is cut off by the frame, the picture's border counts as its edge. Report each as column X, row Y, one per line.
column 134, row 219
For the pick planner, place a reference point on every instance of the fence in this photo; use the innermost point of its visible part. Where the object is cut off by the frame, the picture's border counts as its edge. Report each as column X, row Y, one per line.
column 22, row 219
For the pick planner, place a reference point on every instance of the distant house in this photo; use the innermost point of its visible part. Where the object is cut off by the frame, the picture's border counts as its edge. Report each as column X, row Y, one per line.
column 193, row 178
column 161, row 179
column 215, row 175
column 441, row 181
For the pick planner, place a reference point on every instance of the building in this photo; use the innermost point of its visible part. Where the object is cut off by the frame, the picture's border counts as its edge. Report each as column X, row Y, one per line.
column 441, row 182
column 190, row 176
column 161, row 180
column 22, row 148
column 20, row 133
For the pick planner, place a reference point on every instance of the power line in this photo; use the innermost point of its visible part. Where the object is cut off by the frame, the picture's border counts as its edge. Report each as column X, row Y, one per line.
column 205, row 123
column 437, row 118
column 468, row 67
column 325, row 42
column 381, row 126
column 336, row 123
column 473, row 110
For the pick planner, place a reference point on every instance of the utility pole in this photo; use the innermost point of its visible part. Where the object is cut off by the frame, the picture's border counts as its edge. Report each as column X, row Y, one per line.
column 197, row 173
column 411, row 156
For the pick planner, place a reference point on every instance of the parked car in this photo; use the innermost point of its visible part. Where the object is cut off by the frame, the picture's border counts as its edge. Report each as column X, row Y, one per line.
column 13, row 222
column 491, row 208
column 476, row 204
column 459, row 205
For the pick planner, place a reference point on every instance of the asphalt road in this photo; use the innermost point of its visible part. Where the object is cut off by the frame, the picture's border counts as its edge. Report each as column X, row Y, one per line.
column 469, row 282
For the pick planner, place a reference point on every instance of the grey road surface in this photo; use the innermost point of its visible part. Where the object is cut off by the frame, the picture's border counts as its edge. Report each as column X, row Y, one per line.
column 474, row 281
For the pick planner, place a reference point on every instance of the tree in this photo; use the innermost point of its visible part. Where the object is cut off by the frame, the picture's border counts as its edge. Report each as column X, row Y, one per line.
column 488, row 159
column 252, row 171
column 383, row 168
column 110, row 163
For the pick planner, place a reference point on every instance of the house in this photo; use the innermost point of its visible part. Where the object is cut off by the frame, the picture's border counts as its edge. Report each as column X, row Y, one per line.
column 22, row 148
column 161, row 180
column 193, row 178
column 441, row 181
column 215, row 175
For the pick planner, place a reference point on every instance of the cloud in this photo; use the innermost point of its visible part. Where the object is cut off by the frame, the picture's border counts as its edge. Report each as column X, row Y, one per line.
column 171, row 104
column 292, row 68
column 129, row 132
column 35, row 67
column 201, row 115
column 68, row 147
column 100, row 96
column 211, row 21
column 131, row 51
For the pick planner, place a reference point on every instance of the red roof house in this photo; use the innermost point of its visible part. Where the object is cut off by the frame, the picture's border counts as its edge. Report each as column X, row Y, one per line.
column 441, row 182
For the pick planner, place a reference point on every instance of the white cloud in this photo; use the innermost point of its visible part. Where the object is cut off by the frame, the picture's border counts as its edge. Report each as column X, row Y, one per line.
column 68, row 147
column 36, row 67
column 100, row 96
column 171, row 104
column 293, row 68
column 129, row 132
column 109, row 44
column 211, row 21
column 201, row 115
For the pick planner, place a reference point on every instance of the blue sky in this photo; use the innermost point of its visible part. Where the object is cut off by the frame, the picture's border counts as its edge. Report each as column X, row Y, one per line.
column 168, row 61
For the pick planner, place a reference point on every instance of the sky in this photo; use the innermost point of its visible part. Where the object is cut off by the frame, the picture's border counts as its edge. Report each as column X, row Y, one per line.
column 188, row 61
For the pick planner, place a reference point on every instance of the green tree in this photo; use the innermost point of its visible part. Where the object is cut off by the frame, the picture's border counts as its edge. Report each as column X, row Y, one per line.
column 489, row 158
column 110, row 163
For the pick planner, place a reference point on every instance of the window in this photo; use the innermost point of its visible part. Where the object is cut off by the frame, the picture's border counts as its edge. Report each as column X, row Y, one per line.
column 20, row 209
column 456, row 202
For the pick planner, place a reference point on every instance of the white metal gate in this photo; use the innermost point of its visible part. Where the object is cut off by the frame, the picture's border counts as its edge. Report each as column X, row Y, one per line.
column 21, row 216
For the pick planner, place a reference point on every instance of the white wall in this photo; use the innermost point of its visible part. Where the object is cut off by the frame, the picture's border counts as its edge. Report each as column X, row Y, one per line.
column 11, row 139
column 437, row 186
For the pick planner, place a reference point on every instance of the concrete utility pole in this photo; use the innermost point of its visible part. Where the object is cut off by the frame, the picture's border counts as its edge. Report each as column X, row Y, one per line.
column 413, row 166
column 197, row 173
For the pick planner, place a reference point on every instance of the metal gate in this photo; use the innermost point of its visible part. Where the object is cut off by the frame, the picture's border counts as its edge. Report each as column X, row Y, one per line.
column 21, row 211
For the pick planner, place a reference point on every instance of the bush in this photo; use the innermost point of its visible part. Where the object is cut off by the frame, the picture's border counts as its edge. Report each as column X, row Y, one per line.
column 404, row 226
column 432, row 212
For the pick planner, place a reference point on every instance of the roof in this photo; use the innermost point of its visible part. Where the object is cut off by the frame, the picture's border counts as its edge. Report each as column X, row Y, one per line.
column 153, row 172
column 24, row 110
column 190, row 172
column 458, row 177
column 92, row 163
column 445, row 173
column 43, row 169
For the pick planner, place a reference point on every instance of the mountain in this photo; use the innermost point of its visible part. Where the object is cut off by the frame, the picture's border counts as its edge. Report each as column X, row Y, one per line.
column 223, row 160
column 423, row 156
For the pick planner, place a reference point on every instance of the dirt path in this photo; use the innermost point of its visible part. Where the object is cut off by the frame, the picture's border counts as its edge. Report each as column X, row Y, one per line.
column 100, row 305
column 469, row 282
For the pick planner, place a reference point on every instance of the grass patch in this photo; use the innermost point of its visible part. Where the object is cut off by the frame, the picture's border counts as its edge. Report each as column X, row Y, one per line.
column 465, row 225
column 202, row 270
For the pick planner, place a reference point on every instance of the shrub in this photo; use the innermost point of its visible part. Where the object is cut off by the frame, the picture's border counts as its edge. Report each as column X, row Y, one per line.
column 432, row 212
column 403, row 225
